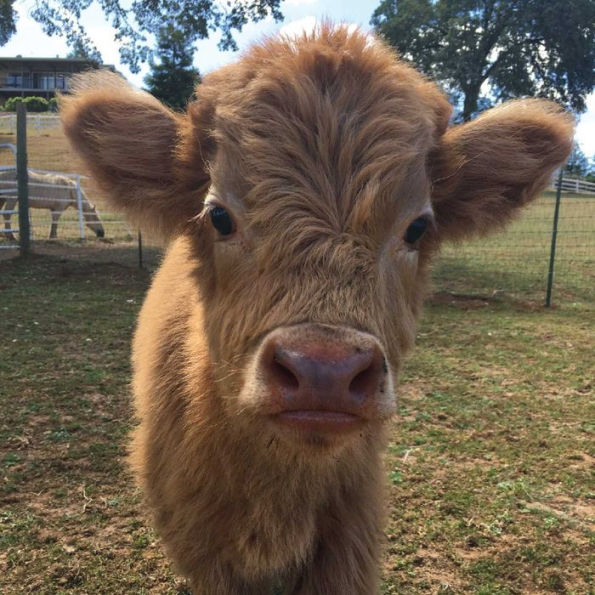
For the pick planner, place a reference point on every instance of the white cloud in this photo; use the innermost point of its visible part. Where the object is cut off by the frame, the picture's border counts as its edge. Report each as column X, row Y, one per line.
column 30, row 40
column 208, row 56
column 296, row 28
column 308, row 24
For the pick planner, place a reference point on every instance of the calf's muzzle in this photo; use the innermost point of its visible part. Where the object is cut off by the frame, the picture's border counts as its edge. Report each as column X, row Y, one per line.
column 322, row 378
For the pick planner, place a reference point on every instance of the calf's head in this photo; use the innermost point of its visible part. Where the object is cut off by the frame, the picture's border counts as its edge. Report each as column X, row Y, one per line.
column 312, row 181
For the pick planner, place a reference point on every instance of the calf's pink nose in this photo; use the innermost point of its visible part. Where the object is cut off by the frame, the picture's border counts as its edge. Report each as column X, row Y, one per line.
column 323, row 375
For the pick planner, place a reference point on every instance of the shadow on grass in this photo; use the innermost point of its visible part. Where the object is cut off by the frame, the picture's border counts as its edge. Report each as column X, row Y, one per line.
column 467, row 280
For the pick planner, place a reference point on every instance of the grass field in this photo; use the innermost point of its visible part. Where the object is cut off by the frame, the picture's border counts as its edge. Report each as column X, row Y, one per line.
column 514, row 262
column 489, row 466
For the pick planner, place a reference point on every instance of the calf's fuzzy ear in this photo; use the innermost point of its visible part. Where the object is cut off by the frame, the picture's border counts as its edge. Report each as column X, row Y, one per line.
column 485, row 170
column 129, row 142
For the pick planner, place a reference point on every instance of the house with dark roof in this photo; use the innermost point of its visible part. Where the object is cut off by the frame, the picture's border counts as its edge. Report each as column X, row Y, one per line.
column 23, row 77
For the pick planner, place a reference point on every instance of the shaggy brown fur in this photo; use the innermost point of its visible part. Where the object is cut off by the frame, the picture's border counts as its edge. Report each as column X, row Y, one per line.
column 323, row 150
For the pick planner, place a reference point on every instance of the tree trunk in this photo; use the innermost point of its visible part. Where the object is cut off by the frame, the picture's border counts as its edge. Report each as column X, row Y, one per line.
column 471, row 101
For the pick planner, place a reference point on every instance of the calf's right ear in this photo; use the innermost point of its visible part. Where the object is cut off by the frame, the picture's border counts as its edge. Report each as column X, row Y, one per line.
column 129, row 141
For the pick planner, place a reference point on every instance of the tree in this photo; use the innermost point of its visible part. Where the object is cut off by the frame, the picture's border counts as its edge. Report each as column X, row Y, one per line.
column 135, row 21
column 80, row 50
column 590, row 177
column 578, row 163
column 498, row 48
column 8, row 18
column 173, row 78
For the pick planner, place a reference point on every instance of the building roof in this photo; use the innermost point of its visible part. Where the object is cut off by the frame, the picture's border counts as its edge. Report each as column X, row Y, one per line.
column 56, row 62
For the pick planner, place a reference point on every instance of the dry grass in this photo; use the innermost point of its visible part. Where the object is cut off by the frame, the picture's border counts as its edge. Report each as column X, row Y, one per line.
column 46, row 151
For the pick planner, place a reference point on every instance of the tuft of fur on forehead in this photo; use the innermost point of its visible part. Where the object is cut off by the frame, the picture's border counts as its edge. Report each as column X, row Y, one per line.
column 320, row 124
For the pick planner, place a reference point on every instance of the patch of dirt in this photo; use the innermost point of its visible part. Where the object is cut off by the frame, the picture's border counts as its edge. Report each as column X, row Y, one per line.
column 478, row 302
column 581, row 460
column 446, row 582
column 437, row 570
column 565, row 508
column 410, row 390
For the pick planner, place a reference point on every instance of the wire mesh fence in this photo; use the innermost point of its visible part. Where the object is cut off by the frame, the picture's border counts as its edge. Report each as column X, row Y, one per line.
column 59, row 207
column 68, row 216
column 516, row 260
column 36, row 123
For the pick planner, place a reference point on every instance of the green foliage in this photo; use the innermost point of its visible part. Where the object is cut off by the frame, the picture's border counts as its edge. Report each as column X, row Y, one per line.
column 173, row 78
column 133, row 20
column 36, row 104
column 78, row 49
column 33, row 104
column 577, row 164
column 518, row 47
column 10, row 105
column 590, row 177
column 8, row 19
column 53, row 105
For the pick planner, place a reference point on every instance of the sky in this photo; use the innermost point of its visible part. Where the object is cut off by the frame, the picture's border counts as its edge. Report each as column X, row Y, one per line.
column 30, row 41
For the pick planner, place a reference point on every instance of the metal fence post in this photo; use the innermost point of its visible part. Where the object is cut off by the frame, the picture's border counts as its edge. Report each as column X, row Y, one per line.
column 550, row 276
column 79, row 206
column 140, row 250
column 23, row 179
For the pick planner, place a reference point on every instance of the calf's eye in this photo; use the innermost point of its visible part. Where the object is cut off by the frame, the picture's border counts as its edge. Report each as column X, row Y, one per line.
column 416, row 230
column 221, row 221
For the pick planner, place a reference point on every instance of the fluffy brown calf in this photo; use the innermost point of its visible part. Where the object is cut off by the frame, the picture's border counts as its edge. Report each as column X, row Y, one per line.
column 304, row 193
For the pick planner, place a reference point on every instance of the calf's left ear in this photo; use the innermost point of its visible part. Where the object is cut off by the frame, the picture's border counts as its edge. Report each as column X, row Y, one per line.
column 483, row 171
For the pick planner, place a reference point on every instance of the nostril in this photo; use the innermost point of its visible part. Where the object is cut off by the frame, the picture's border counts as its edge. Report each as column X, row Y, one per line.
column 368, row 380
column 365, row 381
column 282, row 374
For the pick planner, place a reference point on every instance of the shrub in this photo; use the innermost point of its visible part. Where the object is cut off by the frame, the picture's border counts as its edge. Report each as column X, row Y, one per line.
column 11, row 104
column 53, row 104
column 34, row 104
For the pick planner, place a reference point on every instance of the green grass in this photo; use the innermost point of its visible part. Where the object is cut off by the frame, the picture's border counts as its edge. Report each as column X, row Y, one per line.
column 516, row 260
column 489, row 464
column 494, row 453
column 70, row 517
